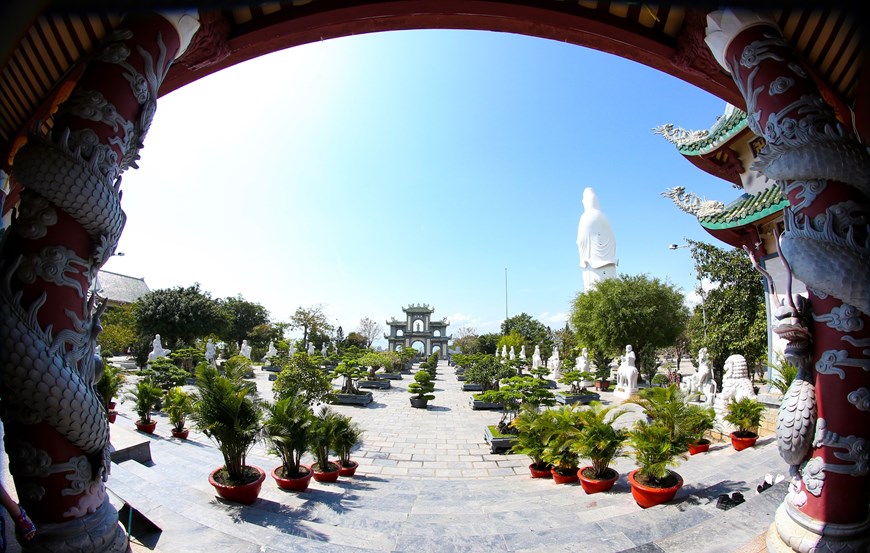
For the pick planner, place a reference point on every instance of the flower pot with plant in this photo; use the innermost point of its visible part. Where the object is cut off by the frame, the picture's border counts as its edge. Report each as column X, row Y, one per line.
column 146, row 394
column 698, row 420
column 288, row 430
column 601, row 443
column 746, row 415
column 178, row 404
column 561, row 428
column 421, row 389
column 653, row 482
column 347, row 436
column 226, row 409
column 108, row 386
column 530, row 441
column 323, row 432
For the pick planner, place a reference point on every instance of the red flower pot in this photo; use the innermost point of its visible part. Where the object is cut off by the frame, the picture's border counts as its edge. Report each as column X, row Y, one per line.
column 742, row 442
column 297, row 484
column 112, row 405
column 537, row 473
column 602, row 385
column 147, row 428
column 329, row 476
column 245, row 493
column 646, row 496
column 699, row 447
column 180, row 435
column 112, row 415
column 347, row 471
column 562, row 478
column 591, row 486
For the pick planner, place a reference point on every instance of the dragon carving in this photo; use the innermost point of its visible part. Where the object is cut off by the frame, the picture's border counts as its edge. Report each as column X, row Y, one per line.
column 692, row 204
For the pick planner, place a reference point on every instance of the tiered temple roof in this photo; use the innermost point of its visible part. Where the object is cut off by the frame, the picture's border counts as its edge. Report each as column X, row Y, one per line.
column 747, row 209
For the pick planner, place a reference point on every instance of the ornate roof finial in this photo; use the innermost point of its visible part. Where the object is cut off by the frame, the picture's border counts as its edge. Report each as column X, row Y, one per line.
column 678, row 135
column 690, row 203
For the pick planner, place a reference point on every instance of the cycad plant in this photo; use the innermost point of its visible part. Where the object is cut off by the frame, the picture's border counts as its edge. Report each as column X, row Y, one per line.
column 562, row 426
column 323, row 433
column 347, row 436
column 746, row 415
column 667, row 407
column 288, row 429
column 654, row 453
column 109, row 384
column 178, row 404
column 697, row 421
column 598, row 440
column 226, row 410
column 530, row 441
column 146, row 394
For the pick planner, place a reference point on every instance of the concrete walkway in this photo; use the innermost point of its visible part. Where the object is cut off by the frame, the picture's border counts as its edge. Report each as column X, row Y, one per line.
column 427, row 482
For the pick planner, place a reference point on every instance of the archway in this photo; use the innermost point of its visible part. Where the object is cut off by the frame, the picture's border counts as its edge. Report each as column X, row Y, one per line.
column 668, row 39
column 420, row 346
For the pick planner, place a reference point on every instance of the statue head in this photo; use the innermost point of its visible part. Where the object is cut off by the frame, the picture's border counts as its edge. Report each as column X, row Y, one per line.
column 628, row 348
column 735, row 367
column 590, row 200
column 585, row 352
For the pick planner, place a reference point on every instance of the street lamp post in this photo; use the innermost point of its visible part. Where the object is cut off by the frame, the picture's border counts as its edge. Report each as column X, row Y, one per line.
column 701, row 291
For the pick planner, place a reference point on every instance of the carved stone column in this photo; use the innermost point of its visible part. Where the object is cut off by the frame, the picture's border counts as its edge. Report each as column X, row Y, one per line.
column 68, row 224
column 824, row 421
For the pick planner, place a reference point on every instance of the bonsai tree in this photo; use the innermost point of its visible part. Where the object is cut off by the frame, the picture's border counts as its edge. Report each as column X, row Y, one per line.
column 660, row 380
column 562, row 426
column 602, row 361
column 486, row 370
column 598, row 440
column 146, row 395
column 178, row 404
column 347, row 436
column 109, row 384
column 288, row 430
column 164, row 373
column 654, row 453
column 374, row 361
column 226, row 409
column 530, row 437
column 514, row 393
column 323, row 433
column 746, row 415
column 300, row 376
column 350, row 374
column 573, row 378
column 421, row 389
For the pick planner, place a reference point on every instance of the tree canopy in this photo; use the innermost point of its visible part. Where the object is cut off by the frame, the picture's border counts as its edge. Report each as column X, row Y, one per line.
column 639, row 310
column 313, row 323
column 370, row 329
column 242, row 317
column 532, row 331
column 178, row 314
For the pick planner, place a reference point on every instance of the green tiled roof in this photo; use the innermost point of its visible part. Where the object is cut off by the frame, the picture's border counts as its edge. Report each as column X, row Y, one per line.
column 747, row 209
column 725, row 128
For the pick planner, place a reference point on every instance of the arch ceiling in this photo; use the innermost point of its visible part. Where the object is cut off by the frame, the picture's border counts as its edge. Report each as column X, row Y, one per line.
column 41, row 43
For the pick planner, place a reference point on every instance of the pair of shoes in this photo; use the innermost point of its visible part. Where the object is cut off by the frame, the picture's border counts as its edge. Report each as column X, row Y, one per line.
column 26, row 529
column 725, row 502
column 763, row 486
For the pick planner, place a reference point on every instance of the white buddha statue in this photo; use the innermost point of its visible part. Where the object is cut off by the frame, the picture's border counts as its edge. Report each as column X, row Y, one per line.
column 310, row 348
column 596, row 243
column 157, row 349
column 582, row 363
column 536, row 357
column 512, row 355
column 555, row 365
column 245, row 349
column 523, row 353
column 271, row 352
column 210, row 352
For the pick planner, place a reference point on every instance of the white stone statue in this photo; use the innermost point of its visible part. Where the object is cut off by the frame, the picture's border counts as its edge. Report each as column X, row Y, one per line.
column 271, row 352
column 292, row 351
column 245, row 349
column 536, row 358
column 626, row 375
column 324, row 349
column 310, row 349
column 210, row 352
column 523, row 352
column 555, row 365
column 596, row 243
column 504, row 353
column 582, row 363
column 736, row 385
column 157, row 349
column 512, row 355
column 496, row 353
column 702, row 381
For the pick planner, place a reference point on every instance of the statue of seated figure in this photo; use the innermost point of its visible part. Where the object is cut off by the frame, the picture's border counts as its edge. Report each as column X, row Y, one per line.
column 245, row 349
column 157, row 349
column 702, row 381
column 271, row 352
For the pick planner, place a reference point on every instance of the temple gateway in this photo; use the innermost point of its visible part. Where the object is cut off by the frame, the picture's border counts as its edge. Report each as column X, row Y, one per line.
column 417, row 327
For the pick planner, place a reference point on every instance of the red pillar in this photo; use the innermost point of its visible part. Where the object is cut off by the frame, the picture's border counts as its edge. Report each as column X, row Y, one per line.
column 69, row 221
column 825, row 172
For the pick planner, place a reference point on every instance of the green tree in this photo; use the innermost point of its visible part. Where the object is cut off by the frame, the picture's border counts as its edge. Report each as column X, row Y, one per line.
column 532, row 331
column 178, row 314
column 242, row 317
column 638, row 310
column 487, row 343
column 466, row 340
column 355, row 339
column 302, row 377
column 734, row 310
column 314, row 325
column 119, row 329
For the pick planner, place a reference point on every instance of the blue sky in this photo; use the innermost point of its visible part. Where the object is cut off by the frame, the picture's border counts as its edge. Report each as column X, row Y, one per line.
column 374, row 171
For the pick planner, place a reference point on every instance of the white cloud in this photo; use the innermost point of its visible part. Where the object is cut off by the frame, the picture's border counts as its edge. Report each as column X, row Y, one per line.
column 552, row 319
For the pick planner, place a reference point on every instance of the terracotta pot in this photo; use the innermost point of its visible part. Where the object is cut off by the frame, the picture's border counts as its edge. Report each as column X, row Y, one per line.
column 298, row 484
column 180, row 435
column 591, row 485
column 147, row 428
column 646, row 496
column 328, row 476
column 112, row 415
column 699, row 447
column 244, row 494
column 536, row 473
column 564, row 479
column 602, row 384
column 112, row 405
column 347, row 471
column 741, row 443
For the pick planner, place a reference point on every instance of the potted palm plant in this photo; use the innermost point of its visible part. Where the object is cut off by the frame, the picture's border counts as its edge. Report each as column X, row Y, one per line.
column 178, row 404
column 226, row 409
column 653, row 482
column 323, row 433
column 288, row 429
column 347, row 436
column 108, row 386
column 668, row 407
column 421, row 389
column 146, row 395
column 530, row 440
column 698, row 420
column 561, row 429
column 601, row 443
column 746, row 415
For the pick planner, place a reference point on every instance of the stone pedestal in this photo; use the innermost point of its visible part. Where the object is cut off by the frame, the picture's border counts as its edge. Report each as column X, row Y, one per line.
column 623, row 392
